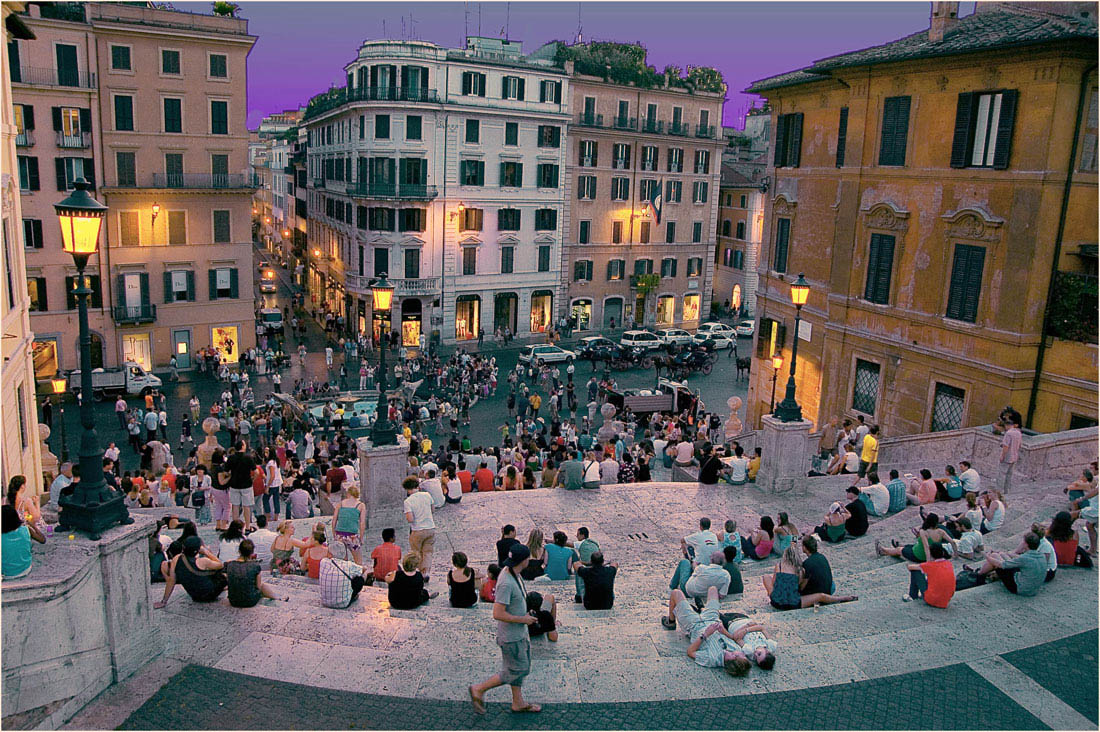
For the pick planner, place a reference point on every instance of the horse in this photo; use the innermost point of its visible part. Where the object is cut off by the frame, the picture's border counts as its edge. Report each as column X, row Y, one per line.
column 743, row 368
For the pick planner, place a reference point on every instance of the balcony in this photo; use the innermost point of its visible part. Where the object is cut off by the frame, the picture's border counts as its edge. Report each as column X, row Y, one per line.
column 705, row 131
column 205, row 181
column 25, row 139
column 625, row 123
column 392, row 94
column 400, row 192
column 590, row 120
column 134, row 314
column 37, row 76
column 78, row 141
column 413, row 287
column 678, row 129
column 319, row 183
column 653, row 126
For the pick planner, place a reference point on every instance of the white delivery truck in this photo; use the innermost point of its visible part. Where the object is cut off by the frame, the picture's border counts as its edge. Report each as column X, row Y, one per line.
column 129, row 378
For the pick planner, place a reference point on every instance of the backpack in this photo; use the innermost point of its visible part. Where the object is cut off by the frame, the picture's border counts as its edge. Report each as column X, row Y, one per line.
column 198, row 498
column 966, row 579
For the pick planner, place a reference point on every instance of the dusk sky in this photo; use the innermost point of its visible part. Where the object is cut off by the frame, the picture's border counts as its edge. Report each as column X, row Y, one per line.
column 303, row 46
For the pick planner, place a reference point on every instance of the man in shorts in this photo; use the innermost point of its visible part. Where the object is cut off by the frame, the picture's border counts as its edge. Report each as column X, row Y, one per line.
column 709, row 645
column 418, row 512
column 241, row 496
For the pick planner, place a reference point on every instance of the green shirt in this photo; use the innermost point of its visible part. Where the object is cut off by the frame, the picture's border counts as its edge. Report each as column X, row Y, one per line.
column 586, row 549
column 466, row 444
column 584, row 441
column 572, row 474
column 513, row 596
column 1032, row 574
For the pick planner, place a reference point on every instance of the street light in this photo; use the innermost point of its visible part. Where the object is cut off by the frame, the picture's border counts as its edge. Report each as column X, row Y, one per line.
column 777, row 363
column 788, row 409
column 156, row 212
column 58, row 383
column 383, row 432
column 93, row 507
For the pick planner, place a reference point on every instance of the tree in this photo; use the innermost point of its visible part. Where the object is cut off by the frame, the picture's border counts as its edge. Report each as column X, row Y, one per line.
column 226, row 9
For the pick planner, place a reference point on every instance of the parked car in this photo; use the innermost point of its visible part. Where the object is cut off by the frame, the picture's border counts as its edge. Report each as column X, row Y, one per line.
column 720, row 333
column 545, row 354
column 595, row 348
column 674, row 336
column 129, row 378
column 745, row 328
column 641, row 339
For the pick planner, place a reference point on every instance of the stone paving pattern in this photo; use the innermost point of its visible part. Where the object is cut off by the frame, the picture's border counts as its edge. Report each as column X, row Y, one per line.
column 1066, row 668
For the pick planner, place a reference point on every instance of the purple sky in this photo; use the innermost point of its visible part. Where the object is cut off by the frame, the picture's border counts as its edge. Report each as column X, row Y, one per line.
column 303, row 47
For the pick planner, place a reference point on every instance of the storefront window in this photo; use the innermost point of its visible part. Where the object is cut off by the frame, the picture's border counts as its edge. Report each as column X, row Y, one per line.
column 542, row 302
column 45, row 359
column 582, row 314
column 226, row 342
column 735, row 302
column 666, row 307
column 691, row 307
column 467, row 317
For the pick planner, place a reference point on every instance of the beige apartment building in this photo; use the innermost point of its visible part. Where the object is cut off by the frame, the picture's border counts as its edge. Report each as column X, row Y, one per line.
column 149, row 104
column 740, row 226
column 623, row 263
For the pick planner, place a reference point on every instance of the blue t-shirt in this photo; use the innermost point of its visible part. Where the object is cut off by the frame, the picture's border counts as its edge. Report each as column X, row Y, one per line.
column 897, row 494
column 954, row 488
column 559, row 560
column 15, row 552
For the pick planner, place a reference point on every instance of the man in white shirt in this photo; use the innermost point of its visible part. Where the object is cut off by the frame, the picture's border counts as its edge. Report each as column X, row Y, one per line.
column 418, row 512
column 971, row 481
column 120, row 412
column 63, row 480
column 659, row 445
column 111, row 453
column 709, row 575
column 351, row 475
column 699, row 545
column 609, row 471
column 970, row 544
column 879, row 496
column 340, row 581
column 861, row 431
column 433, row 487
column 262, row 538
column 685, row 453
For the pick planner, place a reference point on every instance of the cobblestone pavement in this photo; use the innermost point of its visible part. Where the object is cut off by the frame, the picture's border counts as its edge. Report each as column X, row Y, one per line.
column 1066, row 668
column 206, row 698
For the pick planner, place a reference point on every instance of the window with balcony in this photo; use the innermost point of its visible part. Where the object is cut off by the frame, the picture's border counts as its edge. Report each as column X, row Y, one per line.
column 677, row 126
column 511, row 174
column 173, row 115
column 512, row 88
column 620, row 156
column 675, row 160
column 472, row 219
column 586, row 187
column 547, row 175
column 588, row 150
column 507, row 260
column 473, row 131
column 508, row 219
column 620, row 189
column 173, row 170
column 469, row 260
column 511, row 134
column 219, row 66
column 170, row 62
column 546, row 219
column 471, row 172
column 584, row 232
column 549, row 136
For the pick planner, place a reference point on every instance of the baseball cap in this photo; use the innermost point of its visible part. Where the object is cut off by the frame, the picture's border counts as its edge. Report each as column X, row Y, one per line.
column 517, row 555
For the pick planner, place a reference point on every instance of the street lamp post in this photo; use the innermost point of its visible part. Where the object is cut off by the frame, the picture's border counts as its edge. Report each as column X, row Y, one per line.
column 788, row 409
column 58, row 383
column 777, row 363
column 383, row 432
column 93, row 507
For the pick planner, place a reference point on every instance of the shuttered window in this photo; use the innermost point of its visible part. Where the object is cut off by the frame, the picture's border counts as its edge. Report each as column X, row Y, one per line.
column 173, row 115
column 177, row 228
column 782, row 240
column 984, row 122
column 219, row 118
column 788, row 140
column 584, row 234
column 508, row 219
column 895, row 131
column 966, row 283
column 770, row 338
column 221, row 227
column 473, row 83
column 842, row 137
column 546, row 219
column 473, row 131
column 128, row 229
column 95, row 300
column 880, row 264
column 507, row 260
column 124, row 112
column 582, row 270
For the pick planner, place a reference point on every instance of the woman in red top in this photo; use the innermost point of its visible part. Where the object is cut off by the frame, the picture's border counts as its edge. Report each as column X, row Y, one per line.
column 1064, row 539
column 934, row 579
column 316, row 553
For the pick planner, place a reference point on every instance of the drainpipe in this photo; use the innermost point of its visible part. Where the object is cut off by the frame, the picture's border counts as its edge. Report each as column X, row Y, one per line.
column 1082, row 91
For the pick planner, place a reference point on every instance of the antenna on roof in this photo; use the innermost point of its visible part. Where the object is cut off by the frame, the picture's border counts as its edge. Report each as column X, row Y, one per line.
column 479, row 19
column 384, row 28
column 465, row 21
column 579, row 34
column 507, row 20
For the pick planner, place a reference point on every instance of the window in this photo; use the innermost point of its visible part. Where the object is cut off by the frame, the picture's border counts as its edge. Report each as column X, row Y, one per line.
column 544, row 258
column 411, row 219
column 841, row 137
column 120, row 58
column 695, row 266
column 947, row 408
column 223, row 283
column 170, row 62
column 219, row 117
column 649, row 157
column 895, row 131
column 984, row 123
column 549, row 136
column 782, row 239
column 179, row 286
column 700, row 191
column 691, row 307
column 508, row 219
column 173, row 115
column 788, row 140
column 616, row 232
column 412, row 263
column 128, row 230
column 32, row 233
column 124, row 113
column 1088, row 162
column 584, row 234
column 511, row 133
column 507, row 260
column 865, row 391
column 546, row 219
column 382, row 219
column 744, row 200
column 511, row 174
column 668, row 267
column 702, row 162
column 620, row 156
column 473, row 131
column 173, row 169
column 643, row 266
column 9, row 285
column 588, row 153
column 361, row 213
column 21, row 397
column 473, row 84
column 550, row 91
column 219, row 171
column 740, row 230
column 177, row 228
column 738, row 259
column 381, row 261
column 647, row 189
column 471, row 220
column 620, row 189
column 512, row 88
column 36, row 289
column 586, row 187
column 880, row 263
column 469, row 260
column 70, row 169
column 966, row 283
column 675, row 160
column 413, row 125
column 697, row 232
column 670, row 232
column 381, row 127
column 616, row 269
column 643, row 232
column 219, row 66
column 221, row 227
column 95, row 300
column 1080, row 422
column 582, row 270
column 666, row 309
column 472, row 172
column 674, row 191
column 547, row 175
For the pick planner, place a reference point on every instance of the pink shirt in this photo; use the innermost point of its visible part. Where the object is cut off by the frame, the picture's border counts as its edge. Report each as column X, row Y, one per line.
column 1012, row 440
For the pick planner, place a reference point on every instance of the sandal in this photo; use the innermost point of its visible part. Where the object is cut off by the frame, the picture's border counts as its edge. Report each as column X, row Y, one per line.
column 529, row 709
column 479, row 705
column 668, row 623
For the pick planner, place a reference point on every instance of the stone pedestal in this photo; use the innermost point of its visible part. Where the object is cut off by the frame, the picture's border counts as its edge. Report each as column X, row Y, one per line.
column 785, row 457
column 381, row 470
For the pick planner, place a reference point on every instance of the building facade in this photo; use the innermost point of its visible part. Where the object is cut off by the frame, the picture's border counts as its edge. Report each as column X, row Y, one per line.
column 623, row 262
column 444, row 169
column 951, row 255
column 148, row 105
column 740, row 227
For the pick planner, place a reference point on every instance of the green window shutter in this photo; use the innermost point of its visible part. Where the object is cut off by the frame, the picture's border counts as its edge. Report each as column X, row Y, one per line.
column 59, row 173
column 1005, row 126
column 233, row 292
column 794, row 141
column 56, row 118
column 168, row 298
column 966, row 283
column 97, row 291
column 763, row 337
column 522, row 84
column 895, row 131
column 85, row 119
column 880, row 263
column 70, row 296
column 143, row 278
column 782, row 239
column 842, row 137
column 964, row 127
column 213, row 284
column 28, row 116
column 89, row 172
column 466, row 82
column 190, row 286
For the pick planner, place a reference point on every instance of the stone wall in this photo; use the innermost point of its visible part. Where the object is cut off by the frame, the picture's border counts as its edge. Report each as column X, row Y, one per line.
column 77, row 623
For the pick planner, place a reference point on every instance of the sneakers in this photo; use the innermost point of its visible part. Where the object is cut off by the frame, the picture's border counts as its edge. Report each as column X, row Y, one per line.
column 577, row 599
column 906, row 598
column 668, row 623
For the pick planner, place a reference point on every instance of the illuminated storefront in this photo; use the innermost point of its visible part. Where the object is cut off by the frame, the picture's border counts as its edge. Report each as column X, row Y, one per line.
column 411, row 322
column 581, row 313
column 467, row 317
column 542, row 305
column 691, row 307
column 226, row 342
column 666, row 307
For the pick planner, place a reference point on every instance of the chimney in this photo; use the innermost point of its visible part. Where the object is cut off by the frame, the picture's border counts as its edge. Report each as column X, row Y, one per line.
column 945, row 16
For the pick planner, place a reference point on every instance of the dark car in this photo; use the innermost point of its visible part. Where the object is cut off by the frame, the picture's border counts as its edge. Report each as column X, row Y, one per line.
column 598, row 348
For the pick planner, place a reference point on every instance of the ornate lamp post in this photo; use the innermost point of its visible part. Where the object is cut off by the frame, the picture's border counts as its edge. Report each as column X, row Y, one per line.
column 788, row 409
column 93, row 507
column 383, row 432
column 777, row 363
column 58, row 383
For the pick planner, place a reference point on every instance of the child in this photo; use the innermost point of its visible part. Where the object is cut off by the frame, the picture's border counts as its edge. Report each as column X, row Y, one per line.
column 489, row 586
column 200, row 483
column 545, row 620
column 732, row 537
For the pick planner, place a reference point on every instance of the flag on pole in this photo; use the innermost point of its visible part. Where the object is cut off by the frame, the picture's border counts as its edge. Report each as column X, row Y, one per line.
column 657, row 200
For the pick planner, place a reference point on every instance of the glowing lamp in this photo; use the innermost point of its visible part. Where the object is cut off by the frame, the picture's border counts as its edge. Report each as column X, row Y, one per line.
column 80, row 217
column 777, row 362
column 156, row 211
column 58, row 383
column 800, row 291
column 382, row 292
